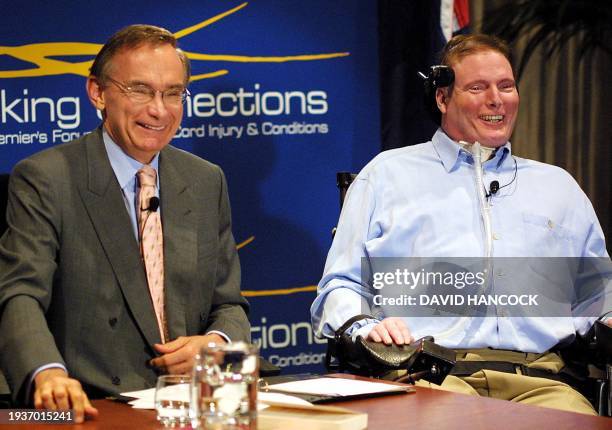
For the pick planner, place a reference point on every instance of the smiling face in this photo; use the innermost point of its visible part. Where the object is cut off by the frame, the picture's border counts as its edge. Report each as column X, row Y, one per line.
column 483, row 102
column 140, row 129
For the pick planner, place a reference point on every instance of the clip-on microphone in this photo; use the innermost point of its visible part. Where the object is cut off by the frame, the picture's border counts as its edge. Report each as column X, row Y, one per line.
column 153, row 204
column 493, row 188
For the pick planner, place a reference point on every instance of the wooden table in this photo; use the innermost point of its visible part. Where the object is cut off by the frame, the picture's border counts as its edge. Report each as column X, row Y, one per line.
column 425, row 409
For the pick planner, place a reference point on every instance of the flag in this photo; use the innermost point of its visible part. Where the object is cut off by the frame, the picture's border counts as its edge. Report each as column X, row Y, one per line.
column 454, row 17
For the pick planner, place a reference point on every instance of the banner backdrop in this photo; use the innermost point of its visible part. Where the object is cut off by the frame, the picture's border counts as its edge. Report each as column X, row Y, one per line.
column 284, row 95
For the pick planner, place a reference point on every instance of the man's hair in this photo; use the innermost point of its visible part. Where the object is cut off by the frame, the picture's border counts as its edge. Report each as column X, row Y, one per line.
column 132, row 37
column 463, row 45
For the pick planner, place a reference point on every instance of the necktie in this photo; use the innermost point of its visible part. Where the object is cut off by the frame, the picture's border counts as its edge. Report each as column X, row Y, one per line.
column 152, row 243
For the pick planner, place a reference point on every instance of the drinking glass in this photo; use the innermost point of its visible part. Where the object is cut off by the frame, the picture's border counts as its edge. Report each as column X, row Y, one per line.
column 224, row 387
column 172, row 400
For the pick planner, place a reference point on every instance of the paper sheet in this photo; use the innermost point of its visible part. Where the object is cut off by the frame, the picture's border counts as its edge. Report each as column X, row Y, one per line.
column 335, row 387
column 145, row 399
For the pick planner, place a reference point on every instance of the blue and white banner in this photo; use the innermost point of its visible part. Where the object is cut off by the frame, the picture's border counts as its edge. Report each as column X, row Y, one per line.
column 284, row 95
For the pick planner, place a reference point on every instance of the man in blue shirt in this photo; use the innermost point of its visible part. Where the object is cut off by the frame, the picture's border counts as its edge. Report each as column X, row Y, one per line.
column 430, row 200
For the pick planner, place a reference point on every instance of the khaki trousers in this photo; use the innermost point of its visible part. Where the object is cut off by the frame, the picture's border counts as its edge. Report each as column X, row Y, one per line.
column 516, row 387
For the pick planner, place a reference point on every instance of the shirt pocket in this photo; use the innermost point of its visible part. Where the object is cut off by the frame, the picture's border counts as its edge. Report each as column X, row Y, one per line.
column 549, row 237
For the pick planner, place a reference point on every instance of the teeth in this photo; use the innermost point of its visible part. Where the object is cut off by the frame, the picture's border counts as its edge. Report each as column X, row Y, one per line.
column 150, row 127
column 492, row 118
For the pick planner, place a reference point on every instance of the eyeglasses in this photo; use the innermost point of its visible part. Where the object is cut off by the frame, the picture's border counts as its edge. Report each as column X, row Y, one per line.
column 141, row 93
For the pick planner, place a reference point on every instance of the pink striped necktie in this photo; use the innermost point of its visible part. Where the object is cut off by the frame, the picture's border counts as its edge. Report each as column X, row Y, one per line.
column 152, row 243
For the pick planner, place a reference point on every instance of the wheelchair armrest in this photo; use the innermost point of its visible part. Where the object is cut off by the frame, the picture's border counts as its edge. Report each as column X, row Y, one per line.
column 602, row 341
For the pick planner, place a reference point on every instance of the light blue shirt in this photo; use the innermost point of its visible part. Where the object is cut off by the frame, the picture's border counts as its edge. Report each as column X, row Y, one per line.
column 125, row 169
column 421, row 201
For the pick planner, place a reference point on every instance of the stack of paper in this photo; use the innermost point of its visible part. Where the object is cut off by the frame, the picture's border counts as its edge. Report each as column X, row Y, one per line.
column 339, row 388
column 280, row 410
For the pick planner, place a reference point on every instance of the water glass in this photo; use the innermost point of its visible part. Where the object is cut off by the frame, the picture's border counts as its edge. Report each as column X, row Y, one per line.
column 172, row 400
column 224, row 387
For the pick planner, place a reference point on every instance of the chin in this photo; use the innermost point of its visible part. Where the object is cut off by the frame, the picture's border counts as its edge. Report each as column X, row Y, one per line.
column 493, row 144
column 493, row 141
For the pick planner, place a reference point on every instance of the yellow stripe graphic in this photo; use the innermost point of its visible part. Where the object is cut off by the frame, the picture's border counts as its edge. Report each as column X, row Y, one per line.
column 39, row 55
column 186, row 31
column 280, row 292
column 245, row 242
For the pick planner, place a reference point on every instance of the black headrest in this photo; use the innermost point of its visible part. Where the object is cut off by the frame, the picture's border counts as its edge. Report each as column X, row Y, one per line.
column 439, row 77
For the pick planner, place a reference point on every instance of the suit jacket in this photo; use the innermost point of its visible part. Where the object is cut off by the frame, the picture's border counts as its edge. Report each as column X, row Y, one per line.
column 73, row 288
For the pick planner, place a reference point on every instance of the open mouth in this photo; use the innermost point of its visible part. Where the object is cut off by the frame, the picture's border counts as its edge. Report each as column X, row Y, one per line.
column 493, row 119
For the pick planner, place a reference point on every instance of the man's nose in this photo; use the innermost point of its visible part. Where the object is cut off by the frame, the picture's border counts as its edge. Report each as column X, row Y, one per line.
column 157, row 106
column 493, row 97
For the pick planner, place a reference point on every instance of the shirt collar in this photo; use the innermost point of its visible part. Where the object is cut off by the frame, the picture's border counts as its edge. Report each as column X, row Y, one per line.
column 124, row 166
column 452, row 154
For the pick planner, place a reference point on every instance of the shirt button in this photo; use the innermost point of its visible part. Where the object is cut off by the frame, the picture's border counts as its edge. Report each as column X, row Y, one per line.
column 112, row 322
column 115, row 380
column 495, row 236
column 550, row 224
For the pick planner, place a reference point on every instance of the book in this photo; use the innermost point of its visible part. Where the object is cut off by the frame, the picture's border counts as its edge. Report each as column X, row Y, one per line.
column 312, row 417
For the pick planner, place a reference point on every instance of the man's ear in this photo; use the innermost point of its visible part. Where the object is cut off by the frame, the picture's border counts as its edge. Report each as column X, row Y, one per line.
column 95, row 93
column 442, row 98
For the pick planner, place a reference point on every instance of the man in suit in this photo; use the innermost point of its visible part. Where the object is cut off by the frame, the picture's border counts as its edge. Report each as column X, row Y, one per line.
column 76, row 311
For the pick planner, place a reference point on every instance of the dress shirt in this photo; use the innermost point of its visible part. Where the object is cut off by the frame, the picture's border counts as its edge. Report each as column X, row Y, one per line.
column 125, row 168
column 421, row 201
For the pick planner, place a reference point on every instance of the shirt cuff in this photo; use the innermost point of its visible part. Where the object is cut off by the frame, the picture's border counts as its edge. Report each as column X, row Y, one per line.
column 220, row 333
column 29, row 389
column 361, row 328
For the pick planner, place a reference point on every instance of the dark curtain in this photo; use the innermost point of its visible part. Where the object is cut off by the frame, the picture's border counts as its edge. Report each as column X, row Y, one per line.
column 407, row 45
column 564, row 116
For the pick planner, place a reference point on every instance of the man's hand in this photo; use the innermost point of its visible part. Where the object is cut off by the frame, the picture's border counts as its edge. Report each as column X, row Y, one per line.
column 391, row 330
column 55, row 390
column 178, row 355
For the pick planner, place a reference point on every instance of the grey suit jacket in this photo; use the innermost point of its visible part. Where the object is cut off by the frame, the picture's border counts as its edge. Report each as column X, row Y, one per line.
column 72, row 286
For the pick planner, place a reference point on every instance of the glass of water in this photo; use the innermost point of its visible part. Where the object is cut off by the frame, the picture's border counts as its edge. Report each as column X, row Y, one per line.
column 172, row 400
column 224, row 387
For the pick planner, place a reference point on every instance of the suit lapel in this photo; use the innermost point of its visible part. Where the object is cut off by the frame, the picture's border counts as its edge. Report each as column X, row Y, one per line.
column 180, row 241
column 103, row 199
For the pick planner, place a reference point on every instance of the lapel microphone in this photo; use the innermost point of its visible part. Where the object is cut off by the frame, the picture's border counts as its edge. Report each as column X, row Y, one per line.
column 494, row 185
column 493, row 189
column 154, row 204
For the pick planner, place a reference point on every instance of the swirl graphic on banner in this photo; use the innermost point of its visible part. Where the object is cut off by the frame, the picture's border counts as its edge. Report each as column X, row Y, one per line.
column 42, row 55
